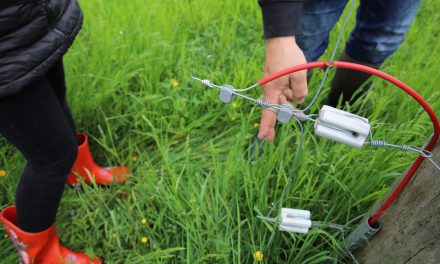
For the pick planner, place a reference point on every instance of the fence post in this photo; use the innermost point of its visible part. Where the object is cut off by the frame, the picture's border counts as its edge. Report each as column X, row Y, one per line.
column 411, row 225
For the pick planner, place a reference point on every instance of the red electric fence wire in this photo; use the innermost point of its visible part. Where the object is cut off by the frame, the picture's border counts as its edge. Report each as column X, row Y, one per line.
column 396, row 82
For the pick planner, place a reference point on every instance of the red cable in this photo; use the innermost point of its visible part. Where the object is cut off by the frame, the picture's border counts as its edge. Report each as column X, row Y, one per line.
column 396, row 82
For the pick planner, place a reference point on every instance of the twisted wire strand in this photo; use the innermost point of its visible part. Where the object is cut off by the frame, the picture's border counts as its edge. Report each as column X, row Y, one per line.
column 383, row 143
column 300, row 116
column 421, row 151
column 262, row 103
column 206, row 82
column 377, row 143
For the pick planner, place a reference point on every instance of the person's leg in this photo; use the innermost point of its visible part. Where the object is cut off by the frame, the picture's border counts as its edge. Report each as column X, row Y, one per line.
column 317, row 20
column 347, row 83
column 56, row 78
column 84, row 166
column 380, row 29
column 35, row 123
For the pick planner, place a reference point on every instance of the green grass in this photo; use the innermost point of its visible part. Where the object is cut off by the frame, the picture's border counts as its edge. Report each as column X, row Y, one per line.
column 193, row 180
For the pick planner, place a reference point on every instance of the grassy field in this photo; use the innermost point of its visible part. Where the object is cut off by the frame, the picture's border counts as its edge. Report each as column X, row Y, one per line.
column 129, row 85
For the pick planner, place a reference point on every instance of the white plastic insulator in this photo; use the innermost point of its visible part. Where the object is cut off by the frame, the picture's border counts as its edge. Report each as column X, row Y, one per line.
column 334, row 120
column 295, row 220
column 294, row 229
column 295, row 213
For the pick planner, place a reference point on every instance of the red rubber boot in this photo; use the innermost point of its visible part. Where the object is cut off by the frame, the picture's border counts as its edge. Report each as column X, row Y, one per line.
column 40, row 248
column 87, row 169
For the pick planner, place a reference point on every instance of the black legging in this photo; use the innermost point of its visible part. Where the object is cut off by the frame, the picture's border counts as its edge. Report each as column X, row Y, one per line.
column 37, row 121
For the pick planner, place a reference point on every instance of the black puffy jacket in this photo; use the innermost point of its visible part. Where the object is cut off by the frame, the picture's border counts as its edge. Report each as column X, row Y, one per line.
column 34, row 34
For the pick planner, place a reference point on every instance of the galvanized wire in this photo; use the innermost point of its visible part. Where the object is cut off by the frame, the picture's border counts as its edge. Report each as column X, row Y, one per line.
column 332, row 57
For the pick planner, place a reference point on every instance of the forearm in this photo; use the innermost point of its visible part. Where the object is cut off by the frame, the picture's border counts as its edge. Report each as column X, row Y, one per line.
column 281, row 17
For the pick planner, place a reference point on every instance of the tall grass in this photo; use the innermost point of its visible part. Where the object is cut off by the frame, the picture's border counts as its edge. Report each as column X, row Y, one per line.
column 193, row 178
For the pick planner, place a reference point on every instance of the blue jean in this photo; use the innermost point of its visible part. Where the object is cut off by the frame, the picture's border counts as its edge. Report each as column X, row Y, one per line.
column 381, row 26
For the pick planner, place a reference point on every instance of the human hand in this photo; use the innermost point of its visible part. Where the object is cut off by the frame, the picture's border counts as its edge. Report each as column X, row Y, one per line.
column 281, row 53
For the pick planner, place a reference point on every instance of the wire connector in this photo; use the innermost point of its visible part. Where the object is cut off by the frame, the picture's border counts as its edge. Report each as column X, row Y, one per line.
column 295, row 220
column 284, row 114
column 226, row 94
column 342, row 127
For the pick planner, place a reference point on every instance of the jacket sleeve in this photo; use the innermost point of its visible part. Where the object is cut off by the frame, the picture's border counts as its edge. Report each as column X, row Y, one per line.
column 281, row 17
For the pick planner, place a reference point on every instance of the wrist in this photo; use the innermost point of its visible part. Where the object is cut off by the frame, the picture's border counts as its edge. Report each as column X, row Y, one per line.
column 280, row 40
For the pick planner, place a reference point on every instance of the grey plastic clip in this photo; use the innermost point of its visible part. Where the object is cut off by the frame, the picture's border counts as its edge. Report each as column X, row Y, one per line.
column 284, row 114
column 226, row 94
column 362, row 234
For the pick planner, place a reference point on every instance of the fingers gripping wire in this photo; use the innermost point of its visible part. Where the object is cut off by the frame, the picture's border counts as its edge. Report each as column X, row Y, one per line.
column 352, row 132
column 285, row 112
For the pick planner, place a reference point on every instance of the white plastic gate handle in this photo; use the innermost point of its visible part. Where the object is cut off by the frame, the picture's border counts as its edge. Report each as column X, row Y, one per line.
column 359, row 126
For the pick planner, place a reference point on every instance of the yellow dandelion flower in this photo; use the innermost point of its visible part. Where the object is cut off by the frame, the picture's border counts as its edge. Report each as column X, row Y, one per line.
column 256, row 125
column 114, row 235
column 2, row 173
column 258, row 256
column 134, row 158
column 144, row 221
column 174, row 83
column 144, row 240
column 234, row 104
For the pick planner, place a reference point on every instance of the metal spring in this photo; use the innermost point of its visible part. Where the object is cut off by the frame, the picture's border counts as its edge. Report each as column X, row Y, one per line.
column 262, row 103
column 383, row 143
column 206, row 83
column 405, row 147
column 378, row 143
column 301, row 116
